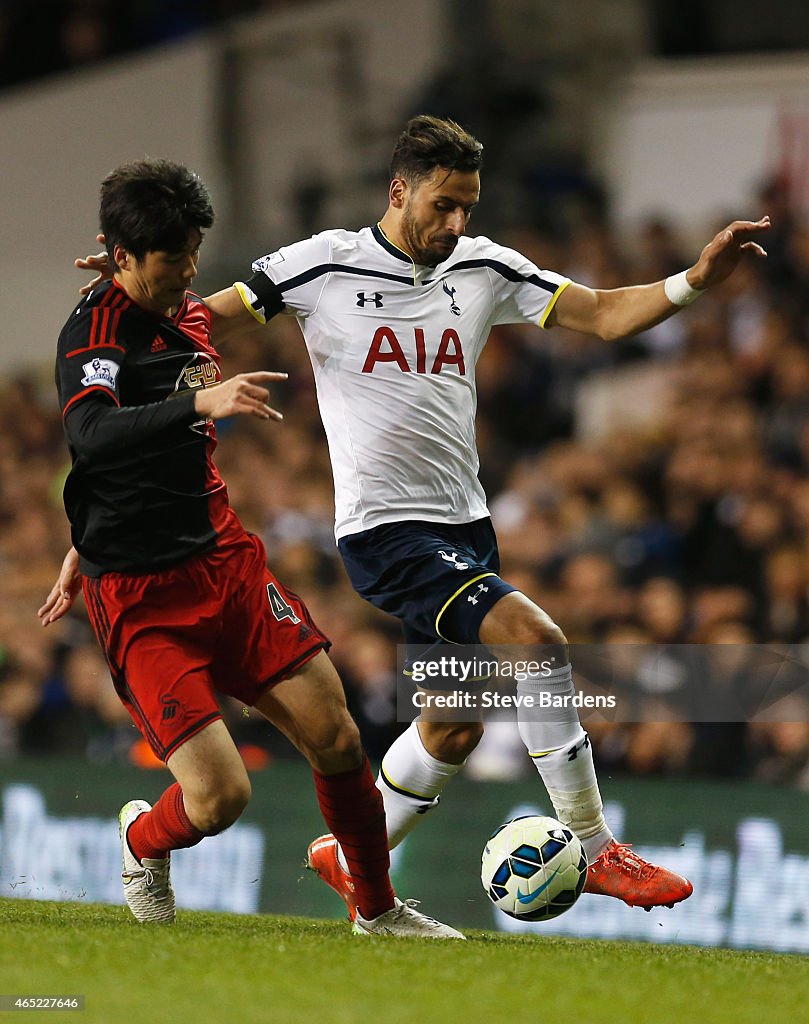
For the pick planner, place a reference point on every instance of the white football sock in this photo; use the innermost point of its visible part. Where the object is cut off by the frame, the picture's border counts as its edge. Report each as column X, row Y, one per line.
column 410, row 781
column 561, row 752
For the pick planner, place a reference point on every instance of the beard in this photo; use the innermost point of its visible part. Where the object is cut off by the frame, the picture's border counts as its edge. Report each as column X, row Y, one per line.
column 431, row 254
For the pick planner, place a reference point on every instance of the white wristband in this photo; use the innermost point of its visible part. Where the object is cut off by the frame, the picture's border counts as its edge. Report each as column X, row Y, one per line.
column 679, row 291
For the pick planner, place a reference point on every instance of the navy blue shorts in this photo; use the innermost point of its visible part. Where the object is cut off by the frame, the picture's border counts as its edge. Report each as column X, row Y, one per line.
column 439, row 580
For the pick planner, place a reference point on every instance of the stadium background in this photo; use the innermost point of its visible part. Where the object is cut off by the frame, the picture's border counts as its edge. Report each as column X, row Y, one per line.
column 654, row 491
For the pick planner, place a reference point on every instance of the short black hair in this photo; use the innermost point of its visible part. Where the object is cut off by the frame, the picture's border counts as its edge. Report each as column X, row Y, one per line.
column 428, row 142
column 152, row 206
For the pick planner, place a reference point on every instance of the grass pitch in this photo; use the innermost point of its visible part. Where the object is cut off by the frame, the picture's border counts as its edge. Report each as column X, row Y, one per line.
column 286, row 970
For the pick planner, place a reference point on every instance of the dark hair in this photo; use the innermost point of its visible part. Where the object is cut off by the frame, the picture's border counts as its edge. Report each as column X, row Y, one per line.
column 152, row 206
column 429, row 142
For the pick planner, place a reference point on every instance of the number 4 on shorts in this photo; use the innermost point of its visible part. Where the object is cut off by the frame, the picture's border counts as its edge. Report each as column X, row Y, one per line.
column 280, row 609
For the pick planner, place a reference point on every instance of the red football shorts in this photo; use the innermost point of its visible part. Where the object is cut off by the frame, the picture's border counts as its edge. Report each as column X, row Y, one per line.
column 220, row 622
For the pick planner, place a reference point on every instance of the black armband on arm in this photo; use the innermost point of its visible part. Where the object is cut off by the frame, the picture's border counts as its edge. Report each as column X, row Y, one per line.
column 94, row 427
column 261, row 296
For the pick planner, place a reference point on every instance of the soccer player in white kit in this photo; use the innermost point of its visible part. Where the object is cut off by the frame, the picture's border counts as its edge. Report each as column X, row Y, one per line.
column 395, row 317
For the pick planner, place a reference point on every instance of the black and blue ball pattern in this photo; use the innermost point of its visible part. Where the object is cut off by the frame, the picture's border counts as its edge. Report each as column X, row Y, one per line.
column 533, row 868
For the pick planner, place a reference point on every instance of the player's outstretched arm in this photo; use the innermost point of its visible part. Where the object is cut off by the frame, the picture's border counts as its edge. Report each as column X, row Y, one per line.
column 618, row 312
column 230, row 317
column 242, row 395
column 64, row 592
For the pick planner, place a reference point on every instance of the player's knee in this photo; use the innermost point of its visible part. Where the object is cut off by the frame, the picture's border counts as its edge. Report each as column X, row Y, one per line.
column 539, row 629
column 224, row 806
column 337, row 747
column 453, row 742
column 517, row 621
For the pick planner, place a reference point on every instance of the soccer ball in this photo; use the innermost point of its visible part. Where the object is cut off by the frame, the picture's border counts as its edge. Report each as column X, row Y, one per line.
column 534, row 868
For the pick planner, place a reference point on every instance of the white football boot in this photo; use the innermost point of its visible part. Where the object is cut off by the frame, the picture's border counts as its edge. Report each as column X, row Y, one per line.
column 147, row 886
column 404, row 921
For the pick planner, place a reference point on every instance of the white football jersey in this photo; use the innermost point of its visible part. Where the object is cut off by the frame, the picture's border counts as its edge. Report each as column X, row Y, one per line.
column 394, row 347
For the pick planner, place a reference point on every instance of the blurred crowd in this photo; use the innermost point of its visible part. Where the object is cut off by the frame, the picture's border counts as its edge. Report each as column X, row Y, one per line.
column 59, row 35
column 650, row 492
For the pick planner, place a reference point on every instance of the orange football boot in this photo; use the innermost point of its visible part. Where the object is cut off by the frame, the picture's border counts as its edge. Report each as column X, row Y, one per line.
column 321, row 857
column 621, row 873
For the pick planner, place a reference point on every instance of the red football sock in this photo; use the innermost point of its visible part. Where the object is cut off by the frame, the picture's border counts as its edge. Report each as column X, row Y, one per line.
column 353, row 809
column 166, row 827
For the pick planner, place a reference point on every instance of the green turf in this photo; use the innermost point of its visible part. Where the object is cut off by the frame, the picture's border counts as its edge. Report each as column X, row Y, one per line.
column 223, row 967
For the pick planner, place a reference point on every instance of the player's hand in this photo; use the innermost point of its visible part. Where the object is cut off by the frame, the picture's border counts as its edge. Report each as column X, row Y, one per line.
column 64, row 592
column 721, row 255
column 100, row 263
column 242, row 395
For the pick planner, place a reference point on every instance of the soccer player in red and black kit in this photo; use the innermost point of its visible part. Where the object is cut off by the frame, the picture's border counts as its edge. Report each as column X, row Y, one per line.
column 178, row 592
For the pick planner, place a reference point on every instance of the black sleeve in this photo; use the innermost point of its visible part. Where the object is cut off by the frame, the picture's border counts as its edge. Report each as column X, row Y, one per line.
column 96, row 427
